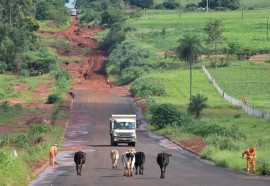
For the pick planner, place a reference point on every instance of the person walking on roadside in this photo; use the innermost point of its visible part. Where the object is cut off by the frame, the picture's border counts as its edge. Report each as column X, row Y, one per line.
column 53, row 152
column 251, row 155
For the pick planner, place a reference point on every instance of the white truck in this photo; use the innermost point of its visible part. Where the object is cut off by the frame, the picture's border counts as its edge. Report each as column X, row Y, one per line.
column 123, row 129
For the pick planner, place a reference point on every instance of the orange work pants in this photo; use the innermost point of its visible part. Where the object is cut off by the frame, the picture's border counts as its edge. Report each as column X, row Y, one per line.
column 52, row 158
column 252, row 162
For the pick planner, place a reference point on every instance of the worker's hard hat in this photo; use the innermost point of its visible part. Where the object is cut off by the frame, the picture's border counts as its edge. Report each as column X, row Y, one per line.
column 252, row 148
column 55, row 145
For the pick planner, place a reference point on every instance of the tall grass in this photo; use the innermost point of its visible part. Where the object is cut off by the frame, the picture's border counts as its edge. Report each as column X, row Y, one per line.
column 17, row 171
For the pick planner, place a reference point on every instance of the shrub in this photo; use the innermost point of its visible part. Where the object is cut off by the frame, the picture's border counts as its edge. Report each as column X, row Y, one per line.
column 263, row 167
column 38, row 129
column 54, row 98
column 127, row 54
column 4, row 106
column 151, row 85
column 5, row 140
column 21, row 141
column 166, row 114
column 18, row 106
column 130, row 74
column 205, row 130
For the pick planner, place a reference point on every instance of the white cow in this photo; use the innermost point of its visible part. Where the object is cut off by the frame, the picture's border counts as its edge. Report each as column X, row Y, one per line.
column 128, row 160
column 114, row 156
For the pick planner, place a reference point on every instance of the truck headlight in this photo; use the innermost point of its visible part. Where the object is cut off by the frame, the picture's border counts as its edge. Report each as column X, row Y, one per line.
column 114, row 134
column 133, row 135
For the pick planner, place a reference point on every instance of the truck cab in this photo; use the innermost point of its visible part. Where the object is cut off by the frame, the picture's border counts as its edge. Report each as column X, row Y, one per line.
column 123, row 129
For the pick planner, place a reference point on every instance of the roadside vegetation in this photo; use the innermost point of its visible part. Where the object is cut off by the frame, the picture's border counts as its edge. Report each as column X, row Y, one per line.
column 28, row 61
column 163, row 81
column 141, row 37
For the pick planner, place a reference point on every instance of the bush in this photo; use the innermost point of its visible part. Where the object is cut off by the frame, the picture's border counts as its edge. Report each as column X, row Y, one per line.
column 38, row 129
column 21, row 141
column 4, row 106
column 166, row 114
column 151, row 85
column 37, row 63
column 54, row 98
column 206, row 130
column 130, row 74
column 127, row 54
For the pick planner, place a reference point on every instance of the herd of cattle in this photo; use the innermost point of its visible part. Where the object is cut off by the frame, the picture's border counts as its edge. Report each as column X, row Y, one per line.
column 130, row 160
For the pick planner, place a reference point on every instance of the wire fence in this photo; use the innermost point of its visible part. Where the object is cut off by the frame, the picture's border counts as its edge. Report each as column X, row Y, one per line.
column 249, row 110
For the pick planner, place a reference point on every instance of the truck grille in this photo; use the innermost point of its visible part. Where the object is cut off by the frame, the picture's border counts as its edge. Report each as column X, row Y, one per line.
column 125, row 134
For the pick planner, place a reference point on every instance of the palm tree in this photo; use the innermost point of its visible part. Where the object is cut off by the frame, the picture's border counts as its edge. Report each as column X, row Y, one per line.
column 197, row 104
column 189, row 50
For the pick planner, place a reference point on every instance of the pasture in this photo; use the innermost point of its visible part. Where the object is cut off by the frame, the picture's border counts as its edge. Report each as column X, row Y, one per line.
column 160, row 31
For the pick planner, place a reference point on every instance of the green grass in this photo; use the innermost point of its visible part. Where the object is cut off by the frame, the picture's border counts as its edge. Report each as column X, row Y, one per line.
column 176, row 83
column 8, row 82
column 219, row 112
column 251, row 32
column 246, row 79
column 17, row 171
column 246, row 3
column 51, row 27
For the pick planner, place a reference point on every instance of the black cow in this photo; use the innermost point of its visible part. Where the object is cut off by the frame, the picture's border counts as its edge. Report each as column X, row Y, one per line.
column 79, row 159
column 139, row 161
column 163, row 161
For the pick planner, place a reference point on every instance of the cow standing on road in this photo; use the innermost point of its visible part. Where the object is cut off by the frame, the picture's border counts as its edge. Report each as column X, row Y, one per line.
column 79, row 159
column 163, row 161
column 139, row 161
column 128, row 160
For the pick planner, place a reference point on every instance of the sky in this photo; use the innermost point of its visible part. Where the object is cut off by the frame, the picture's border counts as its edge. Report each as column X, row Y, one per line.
column 70, row 4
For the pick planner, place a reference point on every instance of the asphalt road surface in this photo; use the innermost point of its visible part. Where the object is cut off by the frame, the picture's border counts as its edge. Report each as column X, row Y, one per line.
column 88, row 130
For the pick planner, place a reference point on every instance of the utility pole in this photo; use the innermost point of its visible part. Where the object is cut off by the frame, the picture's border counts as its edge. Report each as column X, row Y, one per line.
column 179, row 10
column 207, row 5
column 242, row 11
column 267, row 29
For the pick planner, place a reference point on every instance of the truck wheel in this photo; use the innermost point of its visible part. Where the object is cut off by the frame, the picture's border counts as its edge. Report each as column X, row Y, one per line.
column 113, row 143
column 133, row 144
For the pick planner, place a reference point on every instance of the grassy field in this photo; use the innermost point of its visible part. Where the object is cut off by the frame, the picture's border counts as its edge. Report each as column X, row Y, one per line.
column 242, row 78
column 251, row 32
column 246, row 3
column 246, row 79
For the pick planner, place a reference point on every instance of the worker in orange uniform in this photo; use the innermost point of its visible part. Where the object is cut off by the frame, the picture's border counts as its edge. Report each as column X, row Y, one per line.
column 251, row 155
column 53, row 152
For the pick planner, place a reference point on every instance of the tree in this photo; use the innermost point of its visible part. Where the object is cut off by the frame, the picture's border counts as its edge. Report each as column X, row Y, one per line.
column 214, row 29
column 189, row 50
column 197, row 104
column 142, row 3
column 231, row 4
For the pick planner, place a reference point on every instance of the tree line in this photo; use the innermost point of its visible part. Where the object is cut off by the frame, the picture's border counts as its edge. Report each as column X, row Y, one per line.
column 20, row 50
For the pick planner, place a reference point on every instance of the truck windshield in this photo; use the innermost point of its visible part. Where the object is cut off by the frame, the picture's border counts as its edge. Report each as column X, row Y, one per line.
column 124, row 125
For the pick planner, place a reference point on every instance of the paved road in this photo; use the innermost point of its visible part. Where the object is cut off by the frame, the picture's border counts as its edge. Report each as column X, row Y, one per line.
column 88, row 130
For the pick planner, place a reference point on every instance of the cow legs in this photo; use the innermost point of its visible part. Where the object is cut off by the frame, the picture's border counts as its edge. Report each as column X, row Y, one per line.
column 162, row 169
column 80, row 170
column 141, row 170
column 129, row 172
column 136, row 172
column 77, row 169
